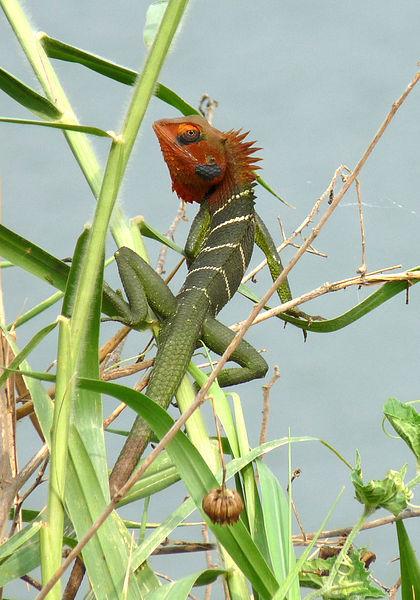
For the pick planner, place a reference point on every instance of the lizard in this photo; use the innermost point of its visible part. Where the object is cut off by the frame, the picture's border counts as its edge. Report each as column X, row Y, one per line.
column 217, row 170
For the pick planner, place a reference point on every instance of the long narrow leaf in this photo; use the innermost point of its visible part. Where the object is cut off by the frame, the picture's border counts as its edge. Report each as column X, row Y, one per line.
column 276, row 521
column 410, row 566
column 25, row 352
column 180, row 590
column 27, row 97
column 61, row 51
column 90, row 129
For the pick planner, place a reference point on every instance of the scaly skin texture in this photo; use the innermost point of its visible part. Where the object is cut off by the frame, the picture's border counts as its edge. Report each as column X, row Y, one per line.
column 217, row 169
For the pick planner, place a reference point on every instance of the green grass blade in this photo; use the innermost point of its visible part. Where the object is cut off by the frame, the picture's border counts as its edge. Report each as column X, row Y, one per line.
column 248, row 475
column 150, row 232
column 181, row 589
column 275, row 508
column 33, row 259
column 25, row 352
column 35, row 311
column 199, row 480
column 410, row 567
column 27, row 97
column 61, row 51
column 269, row 189
column 21, row 562
column 52, row 533
column 159, row 476
column 12, row 545
column 91, row 130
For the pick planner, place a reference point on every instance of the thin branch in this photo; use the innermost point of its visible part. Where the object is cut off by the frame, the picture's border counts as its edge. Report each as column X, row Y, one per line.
column 408, row 513
column 207, row 107
column 363, row 267
column 266, row 405
column 374, row 278
column 180, row 216
column 200, row 398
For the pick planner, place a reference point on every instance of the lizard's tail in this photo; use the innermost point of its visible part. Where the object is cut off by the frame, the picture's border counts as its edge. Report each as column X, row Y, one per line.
column 176, row 344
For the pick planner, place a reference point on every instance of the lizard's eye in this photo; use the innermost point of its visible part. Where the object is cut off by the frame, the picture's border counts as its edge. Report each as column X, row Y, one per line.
column 188, row 134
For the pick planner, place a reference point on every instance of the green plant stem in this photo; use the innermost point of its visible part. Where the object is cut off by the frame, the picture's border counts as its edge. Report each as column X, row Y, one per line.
column 80, row 144
column 52, row 534
column 92, row 262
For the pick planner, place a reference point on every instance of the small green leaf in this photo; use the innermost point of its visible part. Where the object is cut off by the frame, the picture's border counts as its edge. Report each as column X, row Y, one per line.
column 390, row 493
column 353, row 579
column 180, row 590
column 27, row 97
column 154, row 17
column 406, row 422
column 153, row 234
column 269, row 189
column 410, row 567
column 25, row 352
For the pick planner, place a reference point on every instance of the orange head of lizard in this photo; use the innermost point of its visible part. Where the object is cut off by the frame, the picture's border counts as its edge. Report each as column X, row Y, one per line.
column 204, row 162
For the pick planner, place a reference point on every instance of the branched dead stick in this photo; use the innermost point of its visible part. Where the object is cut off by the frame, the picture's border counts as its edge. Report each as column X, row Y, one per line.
column 408, row 513
column 363, row 267
column 374, row 278
column 266, row 405
column 200, row 398
column 180, row 216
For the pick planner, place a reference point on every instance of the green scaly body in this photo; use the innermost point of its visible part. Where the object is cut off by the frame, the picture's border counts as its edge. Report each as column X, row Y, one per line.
column 213, row 278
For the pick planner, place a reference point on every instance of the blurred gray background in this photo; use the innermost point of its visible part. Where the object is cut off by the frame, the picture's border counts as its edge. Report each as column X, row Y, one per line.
column 312, row 80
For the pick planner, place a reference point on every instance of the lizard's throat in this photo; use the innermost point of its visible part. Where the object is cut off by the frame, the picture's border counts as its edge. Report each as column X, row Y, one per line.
column 227, row 189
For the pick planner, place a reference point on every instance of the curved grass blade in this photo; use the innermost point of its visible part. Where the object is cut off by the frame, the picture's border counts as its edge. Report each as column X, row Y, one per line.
column 199, row 480
column 61, row 125
column 19, row 539
column 21, row 562
column 32, row 258
column 153, row 234
column 37, row 261
column 269, row 189
column 383, row 294
column 35, row 311
column 61, row 51
column 159, row 476
column 181, row 589
column 27, row 97
column 275, row 508
column 25, row 352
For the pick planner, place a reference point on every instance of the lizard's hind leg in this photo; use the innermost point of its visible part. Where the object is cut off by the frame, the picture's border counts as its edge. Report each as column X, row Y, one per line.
column 143, row 287
column 252, row 365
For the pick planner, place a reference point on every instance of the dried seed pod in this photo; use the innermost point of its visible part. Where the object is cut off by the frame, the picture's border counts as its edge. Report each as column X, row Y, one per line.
column 223, row 506
column 368, row 558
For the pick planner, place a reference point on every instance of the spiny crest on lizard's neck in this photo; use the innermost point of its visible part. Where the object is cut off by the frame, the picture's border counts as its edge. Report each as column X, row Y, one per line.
column 204, row 162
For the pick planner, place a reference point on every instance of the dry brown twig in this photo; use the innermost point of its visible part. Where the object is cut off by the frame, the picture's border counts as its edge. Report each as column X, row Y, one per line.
column 374, row 278
column 266, row 405
column 180, row 216
column 207, row 107
column 200, row 398
column 408, row 513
